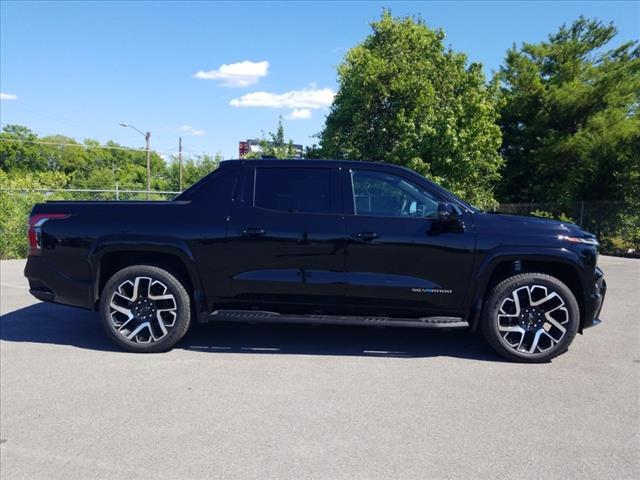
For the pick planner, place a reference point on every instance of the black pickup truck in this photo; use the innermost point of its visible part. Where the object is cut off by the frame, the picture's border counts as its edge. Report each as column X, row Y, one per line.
column 322, row 242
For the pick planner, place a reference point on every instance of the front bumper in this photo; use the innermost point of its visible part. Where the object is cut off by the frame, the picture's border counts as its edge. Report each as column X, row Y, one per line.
column 595, row 300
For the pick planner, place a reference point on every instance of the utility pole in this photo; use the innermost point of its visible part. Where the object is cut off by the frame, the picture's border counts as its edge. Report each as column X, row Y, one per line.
column 147, row 136
column 180, row 159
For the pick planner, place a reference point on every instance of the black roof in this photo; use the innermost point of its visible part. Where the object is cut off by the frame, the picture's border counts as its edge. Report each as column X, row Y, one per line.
column 315, row 161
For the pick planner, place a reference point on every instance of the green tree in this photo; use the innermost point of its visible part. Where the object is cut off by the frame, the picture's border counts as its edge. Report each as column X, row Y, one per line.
column 193, row 169
column 17, row 152
column 68, row 156
column 276, row 146
column 87, row 164
column 405, row 98
column 313, row 152
column 569, row 117
column 17, row 201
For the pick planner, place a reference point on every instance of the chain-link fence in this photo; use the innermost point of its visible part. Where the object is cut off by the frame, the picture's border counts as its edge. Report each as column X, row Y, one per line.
column 90, row 194
column 616, row 224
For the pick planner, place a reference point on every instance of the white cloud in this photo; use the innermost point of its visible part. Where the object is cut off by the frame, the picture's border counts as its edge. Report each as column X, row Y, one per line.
column 241, row 74
column 193, row 132
column 299, row 114
column 8, row 96
column 298, row 99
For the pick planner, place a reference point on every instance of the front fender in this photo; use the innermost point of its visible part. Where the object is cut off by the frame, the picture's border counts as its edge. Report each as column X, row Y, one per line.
column 489, row 262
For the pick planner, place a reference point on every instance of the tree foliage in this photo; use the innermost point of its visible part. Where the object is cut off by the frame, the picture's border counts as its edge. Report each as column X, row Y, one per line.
column 34, row 169
column 15, row 208
column 274, row 147
column 405, row 98
column 91, row 165
column 569, row 117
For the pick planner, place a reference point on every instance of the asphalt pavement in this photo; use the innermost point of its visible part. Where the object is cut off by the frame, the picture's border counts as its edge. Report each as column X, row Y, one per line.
column 327, row 402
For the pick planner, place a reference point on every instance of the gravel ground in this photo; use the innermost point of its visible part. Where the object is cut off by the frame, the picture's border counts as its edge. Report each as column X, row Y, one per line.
column 281, row 401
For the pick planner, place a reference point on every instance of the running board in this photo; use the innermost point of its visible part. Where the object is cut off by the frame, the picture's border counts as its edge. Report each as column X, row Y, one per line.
column 273, row 317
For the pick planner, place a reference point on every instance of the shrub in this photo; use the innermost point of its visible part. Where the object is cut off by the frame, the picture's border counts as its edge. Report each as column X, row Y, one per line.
column 17, row 198
column 551, row 215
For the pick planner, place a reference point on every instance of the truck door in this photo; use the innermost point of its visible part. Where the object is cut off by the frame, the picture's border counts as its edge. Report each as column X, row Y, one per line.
column 286, row 238
column 400, row 259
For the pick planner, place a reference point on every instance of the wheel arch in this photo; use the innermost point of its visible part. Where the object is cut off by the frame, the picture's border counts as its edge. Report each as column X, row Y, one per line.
column 559, row 263
column 110, row 256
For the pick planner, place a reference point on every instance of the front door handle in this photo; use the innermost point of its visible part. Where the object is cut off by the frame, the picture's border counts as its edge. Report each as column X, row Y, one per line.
column 365, row 236
column 252, row 232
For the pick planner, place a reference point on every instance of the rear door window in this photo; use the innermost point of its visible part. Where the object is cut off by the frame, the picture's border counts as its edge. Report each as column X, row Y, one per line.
column 293, row 189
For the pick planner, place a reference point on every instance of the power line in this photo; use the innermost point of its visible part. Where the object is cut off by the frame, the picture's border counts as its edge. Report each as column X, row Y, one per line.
column 80, row 144
column 39, row 142
column 106, row 147
column 77, row 139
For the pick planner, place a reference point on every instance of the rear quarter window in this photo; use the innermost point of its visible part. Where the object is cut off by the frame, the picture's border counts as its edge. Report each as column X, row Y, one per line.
column 216, row 188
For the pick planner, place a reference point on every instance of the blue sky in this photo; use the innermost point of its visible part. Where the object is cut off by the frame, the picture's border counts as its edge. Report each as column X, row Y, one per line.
column 198, row 69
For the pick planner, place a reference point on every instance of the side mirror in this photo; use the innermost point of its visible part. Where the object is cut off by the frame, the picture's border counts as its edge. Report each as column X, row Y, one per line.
column 448, row 213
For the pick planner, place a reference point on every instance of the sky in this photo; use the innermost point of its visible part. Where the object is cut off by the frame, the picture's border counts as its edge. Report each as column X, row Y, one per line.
column 216, row 73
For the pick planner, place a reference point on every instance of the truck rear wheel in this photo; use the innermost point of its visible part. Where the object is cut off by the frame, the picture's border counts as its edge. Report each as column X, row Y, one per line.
column 530, row 317
column 145, row 309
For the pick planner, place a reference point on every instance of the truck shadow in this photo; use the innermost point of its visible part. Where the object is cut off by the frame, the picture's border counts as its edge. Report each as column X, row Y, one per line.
column 59, row 325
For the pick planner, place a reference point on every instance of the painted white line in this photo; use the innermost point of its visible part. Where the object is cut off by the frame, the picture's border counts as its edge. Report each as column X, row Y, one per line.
column 11, row 285
column 384, row 352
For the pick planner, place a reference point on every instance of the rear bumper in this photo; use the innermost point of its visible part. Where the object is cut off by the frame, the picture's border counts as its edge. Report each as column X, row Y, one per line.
column 50, row 285
column 595, row 301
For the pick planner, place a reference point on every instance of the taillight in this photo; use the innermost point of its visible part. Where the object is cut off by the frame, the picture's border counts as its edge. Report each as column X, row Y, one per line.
column 35, row 230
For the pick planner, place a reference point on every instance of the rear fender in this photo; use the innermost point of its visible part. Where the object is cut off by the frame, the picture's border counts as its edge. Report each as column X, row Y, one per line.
column 148, row 244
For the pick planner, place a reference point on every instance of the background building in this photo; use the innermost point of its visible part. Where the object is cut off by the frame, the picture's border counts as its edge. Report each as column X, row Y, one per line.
column 253, row 146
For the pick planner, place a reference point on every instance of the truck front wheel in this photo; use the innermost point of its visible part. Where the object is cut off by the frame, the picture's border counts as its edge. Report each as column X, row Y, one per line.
column 145, row 309
column 530, row 317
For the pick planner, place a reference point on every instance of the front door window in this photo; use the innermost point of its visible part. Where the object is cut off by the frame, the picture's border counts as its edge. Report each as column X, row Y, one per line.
column 387, row 195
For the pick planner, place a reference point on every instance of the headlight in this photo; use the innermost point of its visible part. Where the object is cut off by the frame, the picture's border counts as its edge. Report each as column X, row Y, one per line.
column 583, row 240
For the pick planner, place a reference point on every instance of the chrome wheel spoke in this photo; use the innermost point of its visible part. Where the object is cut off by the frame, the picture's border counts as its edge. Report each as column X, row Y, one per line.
column 511, row 332
column 139, row 329
column 536, row 339
column 124, row 324
column 168, row 318
column 532, row 319
column 124, row 311
column 142, row 287
column 143, row 310
column 161, row 323
column 555, row 323
column 552, row 341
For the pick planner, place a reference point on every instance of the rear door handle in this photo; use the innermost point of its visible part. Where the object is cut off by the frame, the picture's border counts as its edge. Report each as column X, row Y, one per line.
column 365, row 236
column 252, row 232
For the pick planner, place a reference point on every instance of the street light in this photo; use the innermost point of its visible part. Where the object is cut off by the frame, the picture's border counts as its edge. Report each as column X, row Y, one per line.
column 147, row 136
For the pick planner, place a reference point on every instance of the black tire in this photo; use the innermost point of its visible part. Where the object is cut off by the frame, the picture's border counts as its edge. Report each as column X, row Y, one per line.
column 141, row 311
column 516, row 345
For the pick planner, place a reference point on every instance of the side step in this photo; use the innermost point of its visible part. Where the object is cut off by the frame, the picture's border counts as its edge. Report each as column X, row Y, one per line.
column 273, row 317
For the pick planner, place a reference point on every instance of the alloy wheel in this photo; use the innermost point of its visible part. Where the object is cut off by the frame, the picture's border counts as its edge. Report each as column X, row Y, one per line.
column 533, row 319
column 143, row 310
